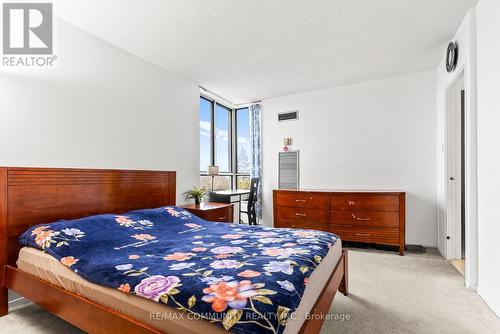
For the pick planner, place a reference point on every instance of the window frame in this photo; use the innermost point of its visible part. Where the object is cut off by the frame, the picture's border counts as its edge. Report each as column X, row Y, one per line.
column 233, row 143
column 229, row 133
column 212, row 131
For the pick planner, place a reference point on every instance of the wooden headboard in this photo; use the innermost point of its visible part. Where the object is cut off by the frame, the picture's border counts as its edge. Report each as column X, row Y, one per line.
column 31, row 196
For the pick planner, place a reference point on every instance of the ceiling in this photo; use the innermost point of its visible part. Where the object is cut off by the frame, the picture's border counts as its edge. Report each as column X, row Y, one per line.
column 249, row 50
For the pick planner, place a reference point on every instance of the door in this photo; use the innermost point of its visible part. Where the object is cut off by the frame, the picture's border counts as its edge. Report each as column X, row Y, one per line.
column 455, row 162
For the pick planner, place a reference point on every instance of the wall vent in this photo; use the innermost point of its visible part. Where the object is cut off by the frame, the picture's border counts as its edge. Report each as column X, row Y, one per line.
column 288, row 116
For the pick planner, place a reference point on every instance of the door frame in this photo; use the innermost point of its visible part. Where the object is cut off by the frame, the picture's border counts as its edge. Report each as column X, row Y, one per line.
column 452, row 194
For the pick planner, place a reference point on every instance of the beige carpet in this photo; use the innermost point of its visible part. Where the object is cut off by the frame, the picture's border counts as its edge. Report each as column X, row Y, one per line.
column 417, row 293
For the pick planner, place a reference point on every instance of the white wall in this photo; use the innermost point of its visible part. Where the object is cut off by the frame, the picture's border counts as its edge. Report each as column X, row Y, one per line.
column 101, row 108
column 488, row 122
column 374, row 135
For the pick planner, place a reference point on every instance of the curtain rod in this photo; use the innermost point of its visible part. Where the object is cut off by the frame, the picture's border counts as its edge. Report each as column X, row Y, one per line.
column 227, row 101
column 217, row 96
column 248, row 104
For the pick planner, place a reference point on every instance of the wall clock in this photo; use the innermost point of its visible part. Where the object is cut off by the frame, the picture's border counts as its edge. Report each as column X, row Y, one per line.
column 451, row 56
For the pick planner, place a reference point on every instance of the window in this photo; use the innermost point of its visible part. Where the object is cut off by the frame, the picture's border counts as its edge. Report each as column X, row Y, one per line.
column 242, row 182
column 206, row 108
column 221, row 182
column 243, row 148
column 225, row 142
column 243, row 140
column 222, row 128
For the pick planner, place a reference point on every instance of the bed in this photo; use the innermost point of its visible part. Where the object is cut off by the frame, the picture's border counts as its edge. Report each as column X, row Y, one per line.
column 33, row 196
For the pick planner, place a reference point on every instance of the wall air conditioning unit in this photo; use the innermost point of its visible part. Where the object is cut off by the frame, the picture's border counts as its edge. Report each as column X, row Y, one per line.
column 288, row 116
column 288, row 170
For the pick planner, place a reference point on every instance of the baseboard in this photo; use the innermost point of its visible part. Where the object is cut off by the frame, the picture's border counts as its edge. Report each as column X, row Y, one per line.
column 18, row 302
column 416, row 248
column 472, row 288
column 493, row 306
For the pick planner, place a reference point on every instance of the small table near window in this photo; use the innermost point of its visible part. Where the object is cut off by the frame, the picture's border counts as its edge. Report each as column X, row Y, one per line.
column 230, row 196
column 216, row 212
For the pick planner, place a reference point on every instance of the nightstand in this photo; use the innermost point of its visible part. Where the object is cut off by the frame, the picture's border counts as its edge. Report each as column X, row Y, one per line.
column 212, row 211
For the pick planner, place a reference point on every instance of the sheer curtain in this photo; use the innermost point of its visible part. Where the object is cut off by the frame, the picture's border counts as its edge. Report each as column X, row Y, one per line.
column 256, row 152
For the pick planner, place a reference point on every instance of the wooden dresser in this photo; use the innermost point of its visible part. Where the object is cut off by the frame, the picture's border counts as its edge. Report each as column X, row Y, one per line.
column 362, row 216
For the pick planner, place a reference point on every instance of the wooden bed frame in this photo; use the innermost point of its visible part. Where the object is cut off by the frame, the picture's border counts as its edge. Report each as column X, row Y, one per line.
column 31, row 196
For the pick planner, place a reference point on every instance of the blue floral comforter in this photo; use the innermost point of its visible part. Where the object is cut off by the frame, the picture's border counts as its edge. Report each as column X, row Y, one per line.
column 246, row 279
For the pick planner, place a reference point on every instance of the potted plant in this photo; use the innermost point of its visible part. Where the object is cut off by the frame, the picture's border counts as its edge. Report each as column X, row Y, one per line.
column 197, row 194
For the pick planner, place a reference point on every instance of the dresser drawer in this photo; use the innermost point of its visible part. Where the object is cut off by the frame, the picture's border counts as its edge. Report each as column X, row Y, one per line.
column 303, row 200
column 303, row 215
column 364, row 202
column 385, row 236
column 219, row 215
column 302, row 218
column 365, row 218
column 303, row 225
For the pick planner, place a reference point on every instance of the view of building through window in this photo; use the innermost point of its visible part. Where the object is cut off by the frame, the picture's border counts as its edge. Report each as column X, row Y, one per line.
column 221, row 182
column 243, row 140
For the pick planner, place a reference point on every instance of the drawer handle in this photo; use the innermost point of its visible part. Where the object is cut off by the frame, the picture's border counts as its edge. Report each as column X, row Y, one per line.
column 300, row 200
column 301, row 214
column 360, row 218
column 363, row 234
column 222, row 218
column 351, row 202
